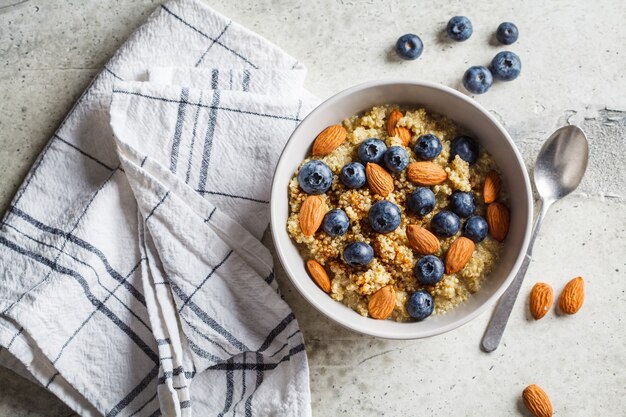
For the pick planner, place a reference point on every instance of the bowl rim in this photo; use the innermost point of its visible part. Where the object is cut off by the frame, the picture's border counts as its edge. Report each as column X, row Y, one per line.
column 407, row 334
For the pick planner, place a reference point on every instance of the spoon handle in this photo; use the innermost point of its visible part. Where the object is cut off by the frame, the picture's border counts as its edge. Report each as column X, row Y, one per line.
column 500, row 317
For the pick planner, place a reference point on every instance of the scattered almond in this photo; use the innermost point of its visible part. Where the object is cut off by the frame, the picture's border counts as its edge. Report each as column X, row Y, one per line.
column 421, row 240
column 573, row 296
column 328, row 140
column 393, row 130
column 426, row 173
column 380, row 181
column 319, row 275
column 459, row 254
column 311, row 214
column 541, row 297
column 537, row 401
column 382, row 302
column 491, row 187
column 498, row 220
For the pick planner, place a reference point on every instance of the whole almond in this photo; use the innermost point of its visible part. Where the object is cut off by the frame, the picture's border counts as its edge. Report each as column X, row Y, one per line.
column 382, row 302
column 537, row 401
column 426, row 173
column 319, row 275
column 311, row 214
column 380, row 181
column 459, row 254
column 393, row 130
column 404, row 134
column 392, row 121
column 491, row 187
column 328, row 140
column 573, row 296
column 541, row 297
column 498, row 220
column 421, row 240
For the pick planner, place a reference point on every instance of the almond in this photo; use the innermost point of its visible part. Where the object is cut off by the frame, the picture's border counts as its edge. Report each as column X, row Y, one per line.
column 392, row 121
column 404, row 134
column 421, row 240
column 573, row 296
column 328, row 140
column 319, row 275
column 541, row 297
column 382, row 302
column 311, row 214
column 537, row 401
column 380, row 181
column 498, row 220
column 393, row 130
column 491, row 187
column 459, row 254
column 426, row 173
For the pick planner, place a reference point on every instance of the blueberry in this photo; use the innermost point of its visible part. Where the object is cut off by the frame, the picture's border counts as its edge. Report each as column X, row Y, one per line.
column 475, row 228
column 462, row 203
column 384, row 216
column 507, row 33
column 429, row 270
column 409, row 46
column 466, row 148
column 372, row 150
column 315, row 177
column 396, row 159
column 358, row 254
column 336, row 222
column 427, row 147
column 445, row 223
column 353, row 175
column 477, row 79
column 506, row 66
column 459, row 28
column 421, row 201
column 420, row 305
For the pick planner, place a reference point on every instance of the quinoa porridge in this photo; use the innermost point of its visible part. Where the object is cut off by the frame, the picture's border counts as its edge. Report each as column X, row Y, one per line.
column 389, row 274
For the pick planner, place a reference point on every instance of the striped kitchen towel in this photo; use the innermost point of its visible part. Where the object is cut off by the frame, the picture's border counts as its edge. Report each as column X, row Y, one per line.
column 132, row 278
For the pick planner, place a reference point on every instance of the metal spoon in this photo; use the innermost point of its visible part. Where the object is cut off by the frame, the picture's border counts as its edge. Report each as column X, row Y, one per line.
column 559, row 168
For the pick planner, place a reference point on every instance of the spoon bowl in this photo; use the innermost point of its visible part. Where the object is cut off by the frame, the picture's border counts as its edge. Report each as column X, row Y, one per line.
column 561, row 163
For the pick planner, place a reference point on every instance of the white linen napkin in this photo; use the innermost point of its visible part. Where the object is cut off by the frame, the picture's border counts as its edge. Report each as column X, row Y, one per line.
column 133, row 281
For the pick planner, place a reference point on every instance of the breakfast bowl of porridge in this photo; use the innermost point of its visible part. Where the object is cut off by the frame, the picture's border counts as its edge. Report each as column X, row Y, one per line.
column 400, row 209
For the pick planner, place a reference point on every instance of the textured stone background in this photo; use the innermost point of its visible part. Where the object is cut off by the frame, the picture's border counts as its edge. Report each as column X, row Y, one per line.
column 574, row 63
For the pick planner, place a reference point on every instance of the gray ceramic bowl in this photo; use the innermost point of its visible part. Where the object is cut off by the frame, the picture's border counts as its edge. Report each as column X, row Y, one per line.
column 465, row 112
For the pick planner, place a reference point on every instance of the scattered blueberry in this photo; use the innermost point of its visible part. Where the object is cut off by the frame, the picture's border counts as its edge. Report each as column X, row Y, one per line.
column 409, row 46
column 459, row 28
column 427, row 147
column 421, row 201
column 358, row 254
column 477, row 79
column 315, row 177
column 466, row 148
column 372, row 150
column 396, row 159
column 420, row 305
column 336, row 222
column 445, row 223
column 476, row 228
column 506, row 66
column 429, row 270
column 462, row 203
column 384, row 216
column 353, row 175
column 507, row 33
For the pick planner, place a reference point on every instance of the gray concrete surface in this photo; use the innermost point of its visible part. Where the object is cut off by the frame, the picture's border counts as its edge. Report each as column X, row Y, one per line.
column 574, row 63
